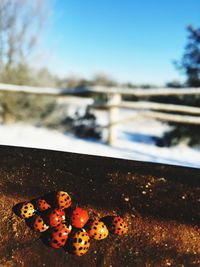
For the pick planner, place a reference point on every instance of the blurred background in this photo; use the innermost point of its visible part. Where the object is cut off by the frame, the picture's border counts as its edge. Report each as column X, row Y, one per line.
column 110, row 77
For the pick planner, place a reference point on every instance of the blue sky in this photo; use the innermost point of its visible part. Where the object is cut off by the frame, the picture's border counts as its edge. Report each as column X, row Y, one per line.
column 130, row 40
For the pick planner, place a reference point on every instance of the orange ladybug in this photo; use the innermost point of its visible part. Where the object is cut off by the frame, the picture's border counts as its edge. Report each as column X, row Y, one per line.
column 80, row 243
column 59, row 235
column 118, row 226
column 42, row 204
column 64, row 200
column 39, row 224
column 27, row 210
column 98, row 230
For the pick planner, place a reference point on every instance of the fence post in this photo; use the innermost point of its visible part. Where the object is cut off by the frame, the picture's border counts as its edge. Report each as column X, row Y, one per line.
column 113, row 116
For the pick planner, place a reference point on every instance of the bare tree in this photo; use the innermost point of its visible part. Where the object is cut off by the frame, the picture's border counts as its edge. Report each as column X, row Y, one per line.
column 20, row 25
column 21, row 22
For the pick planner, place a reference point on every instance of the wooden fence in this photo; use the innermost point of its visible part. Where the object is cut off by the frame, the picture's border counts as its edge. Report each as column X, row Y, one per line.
column 189, row 114
column 146, row 108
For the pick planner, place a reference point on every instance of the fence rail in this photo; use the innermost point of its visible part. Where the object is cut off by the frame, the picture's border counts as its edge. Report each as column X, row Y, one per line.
column 160, row 116
column 144, row 92
column 147, row 105
column 100, row 90
column 39, row 90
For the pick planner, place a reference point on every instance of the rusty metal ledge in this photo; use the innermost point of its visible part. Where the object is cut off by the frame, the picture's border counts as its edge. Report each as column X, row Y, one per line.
column 161, row 204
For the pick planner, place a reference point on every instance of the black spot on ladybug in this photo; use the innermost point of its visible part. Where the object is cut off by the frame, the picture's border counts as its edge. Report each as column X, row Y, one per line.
column 60, row 234
column 25, row 211
column 63, row 240
column 67, row 197
column 79, row 240
column 55, row 241
column 80, row 248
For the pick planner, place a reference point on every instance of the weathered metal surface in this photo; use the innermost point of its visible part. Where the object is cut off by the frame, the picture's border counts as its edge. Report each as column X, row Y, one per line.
column 160, row 203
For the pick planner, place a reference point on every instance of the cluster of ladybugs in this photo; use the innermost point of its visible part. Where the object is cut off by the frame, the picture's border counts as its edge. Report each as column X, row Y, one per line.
column 63, row 225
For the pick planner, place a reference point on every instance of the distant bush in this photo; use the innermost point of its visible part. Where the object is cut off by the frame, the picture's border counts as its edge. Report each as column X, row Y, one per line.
column 186, row 134
column 182, row 133
column 43, row 111
column 83, row 125
column 25, row 107
column 174, row 84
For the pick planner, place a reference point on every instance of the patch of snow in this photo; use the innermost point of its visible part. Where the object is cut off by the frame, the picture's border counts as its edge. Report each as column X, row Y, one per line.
column 131, row 143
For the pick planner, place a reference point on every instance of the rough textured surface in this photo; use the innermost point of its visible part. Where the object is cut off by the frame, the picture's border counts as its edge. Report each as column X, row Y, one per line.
column 160, row 203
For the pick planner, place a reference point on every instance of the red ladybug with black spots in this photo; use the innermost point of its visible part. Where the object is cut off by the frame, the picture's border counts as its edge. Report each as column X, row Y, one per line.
column 59, row 235
column 42, row 204
column 79, row 217
column 39, row 224
column 56, row 217
column 118, row 226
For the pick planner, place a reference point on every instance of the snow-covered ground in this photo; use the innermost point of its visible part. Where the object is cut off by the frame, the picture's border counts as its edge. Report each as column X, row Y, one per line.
column 134, row 142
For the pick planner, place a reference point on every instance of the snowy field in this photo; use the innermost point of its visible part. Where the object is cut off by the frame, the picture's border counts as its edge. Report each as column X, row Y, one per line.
column 134, row 142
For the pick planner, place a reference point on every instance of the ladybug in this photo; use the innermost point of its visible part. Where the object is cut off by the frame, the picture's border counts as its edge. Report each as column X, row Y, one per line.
column 64, row 200
column 118, row 226
column 39, row 224
column 27, row 210
column 98, row 230
column 79, row 243
column 42, row 204
column 79, row 217
column 59, row 235
column 56, row 217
